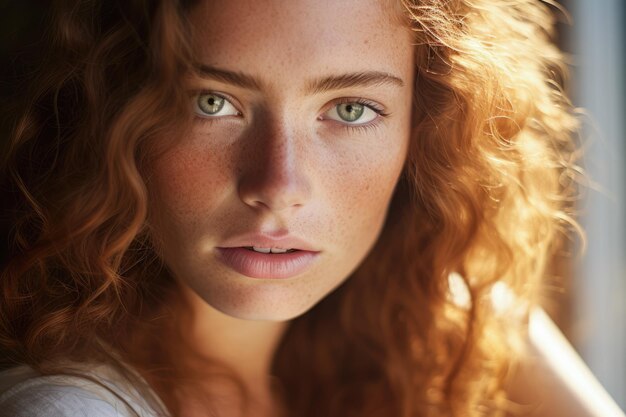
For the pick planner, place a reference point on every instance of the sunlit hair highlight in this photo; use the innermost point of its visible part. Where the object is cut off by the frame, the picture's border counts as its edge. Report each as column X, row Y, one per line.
column 483, row 199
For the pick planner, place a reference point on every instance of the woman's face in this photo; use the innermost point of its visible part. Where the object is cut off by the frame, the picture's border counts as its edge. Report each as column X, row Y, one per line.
column 302, row 126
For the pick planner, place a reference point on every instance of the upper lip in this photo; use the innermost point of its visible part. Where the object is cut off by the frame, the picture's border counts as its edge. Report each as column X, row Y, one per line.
column 263, row 241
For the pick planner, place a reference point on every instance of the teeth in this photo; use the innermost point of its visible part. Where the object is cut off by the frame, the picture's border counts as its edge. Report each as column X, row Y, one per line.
column 276, row 250
column 272, row 250
column 262, row 250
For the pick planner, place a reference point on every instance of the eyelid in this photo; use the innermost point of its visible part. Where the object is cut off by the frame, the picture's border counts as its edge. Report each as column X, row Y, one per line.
column 372, row 105
column 227, row 97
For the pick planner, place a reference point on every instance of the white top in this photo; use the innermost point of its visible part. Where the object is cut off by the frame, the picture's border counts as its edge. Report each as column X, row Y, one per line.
column 25, row 393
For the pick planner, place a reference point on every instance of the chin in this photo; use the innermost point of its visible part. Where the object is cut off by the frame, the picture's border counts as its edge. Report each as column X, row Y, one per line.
column 261, row 300
column 262, row 314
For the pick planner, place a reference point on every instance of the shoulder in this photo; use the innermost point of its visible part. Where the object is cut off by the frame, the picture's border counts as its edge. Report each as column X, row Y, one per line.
column 552, row 380
column 54, row 397
column 23, row 393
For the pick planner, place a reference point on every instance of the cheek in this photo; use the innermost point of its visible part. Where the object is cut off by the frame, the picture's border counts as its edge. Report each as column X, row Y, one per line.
column 187, row 184
column 362, row 186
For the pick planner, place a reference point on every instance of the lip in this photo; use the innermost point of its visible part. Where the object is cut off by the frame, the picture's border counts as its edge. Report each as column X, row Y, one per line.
column 270, row 266
column 265, row 241
column 233, row 253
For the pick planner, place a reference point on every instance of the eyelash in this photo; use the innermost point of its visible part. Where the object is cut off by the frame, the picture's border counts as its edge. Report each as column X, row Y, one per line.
column 352, row 128
column 365, row 127
column 195, row 94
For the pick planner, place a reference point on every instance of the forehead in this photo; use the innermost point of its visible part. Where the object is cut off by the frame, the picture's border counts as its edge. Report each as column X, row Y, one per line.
column 301, row 37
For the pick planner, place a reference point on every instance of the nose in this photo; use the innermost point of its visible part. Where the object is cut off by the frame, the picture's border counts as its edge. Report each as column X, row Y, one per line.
column 273, row 170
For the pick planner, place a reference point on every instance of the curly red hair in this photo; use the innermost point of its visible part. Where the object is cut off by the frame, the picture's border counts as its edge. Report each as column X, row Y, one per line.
column 483, row 195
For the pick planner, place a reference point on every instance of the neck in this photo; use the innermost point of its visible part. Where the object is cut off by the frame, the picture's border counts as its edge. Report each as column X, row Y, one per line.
column 245, row 346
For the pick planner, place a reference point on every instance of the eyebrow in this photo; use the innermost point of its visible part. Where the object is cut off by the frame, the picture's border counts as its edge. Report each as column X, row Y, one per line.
column 357, row 79
column 230, row 77
column 316, row 86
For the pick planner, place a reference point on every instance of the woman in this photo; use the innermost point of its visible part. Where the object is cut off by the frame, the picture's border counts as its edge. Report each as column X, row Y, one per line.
column 260, row 208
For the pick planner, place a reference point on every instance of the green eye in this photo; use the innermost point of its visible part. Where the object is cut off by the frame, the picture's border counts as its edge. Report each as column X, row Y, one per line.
column 350, row 112
column 213, row 105
column 354, row 113
column 210, row 103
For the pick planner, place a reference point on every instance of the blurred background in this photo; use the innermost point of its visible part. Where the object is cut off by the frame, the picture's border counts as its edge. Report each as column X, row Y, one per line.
column 593, row 315
column 588, row 298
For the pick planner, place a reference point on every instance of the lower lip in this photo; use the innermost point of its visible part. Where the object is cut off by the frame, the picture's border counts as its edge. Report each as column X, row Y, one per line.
column 260, row 265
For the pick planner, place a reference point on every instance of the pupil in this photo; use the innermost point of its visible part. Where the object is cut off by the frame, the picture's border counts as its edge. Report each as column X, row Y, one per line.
column 210, row 103
column 350, row 112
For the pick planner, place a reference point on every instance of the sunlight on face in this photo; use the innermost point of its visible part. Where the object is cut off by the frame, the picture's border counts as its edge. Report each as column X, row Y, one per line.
column 303, row 122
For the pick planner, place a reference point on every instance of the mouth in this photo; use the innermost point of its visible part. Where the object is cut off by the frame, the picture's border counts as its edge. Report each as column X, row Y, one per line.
column 269, row 250
column 267, row 263
column 268, row 243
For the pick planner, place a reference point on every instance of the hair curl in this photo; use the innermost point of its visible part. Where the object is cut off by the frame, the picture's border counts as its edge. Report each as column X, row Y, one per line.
column 484, row 195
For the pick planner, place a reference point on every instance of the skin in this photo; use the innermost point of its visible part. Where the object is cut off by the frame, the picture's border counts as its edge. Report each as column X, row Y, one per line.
column 280, row 163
